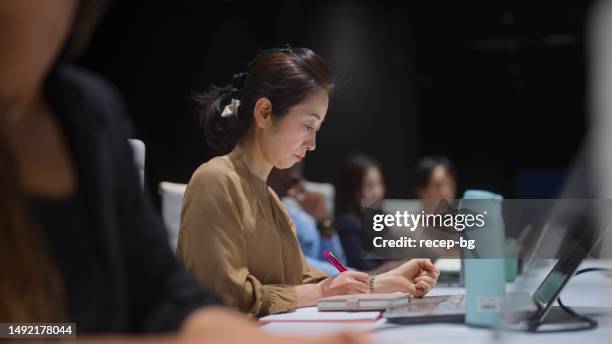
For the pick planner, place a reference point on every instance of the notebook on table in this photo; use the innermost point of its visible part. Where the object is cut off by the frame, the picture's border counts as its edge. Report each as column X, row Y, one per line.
column 312, row 314
column 364, row 302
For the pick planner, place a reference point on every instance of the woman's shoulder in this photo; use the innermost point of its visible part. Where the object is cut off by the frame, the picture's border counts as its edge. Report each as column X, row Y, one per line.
column 218, row 172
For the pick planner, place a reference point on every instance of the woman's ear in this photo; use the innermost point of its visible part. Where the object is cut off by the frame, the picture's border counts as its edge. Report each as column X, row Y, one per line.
column 263, row 113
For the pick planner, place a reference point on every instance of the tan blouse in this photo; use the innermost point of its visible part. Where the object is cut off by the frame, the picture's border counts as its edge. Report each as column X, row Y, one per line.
column 237, row 239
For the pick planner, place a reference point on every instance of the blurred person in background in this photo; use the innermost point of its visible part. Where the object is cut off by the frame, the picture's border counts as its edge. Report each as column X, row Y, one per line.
column 308, row 211
column 360, row 180
column 436, row 179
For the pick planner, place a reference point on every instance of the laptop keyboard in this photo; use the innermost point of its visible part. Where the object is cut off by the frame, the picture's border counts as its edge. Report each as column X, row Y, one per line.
column 454, row 302
column 435, row 304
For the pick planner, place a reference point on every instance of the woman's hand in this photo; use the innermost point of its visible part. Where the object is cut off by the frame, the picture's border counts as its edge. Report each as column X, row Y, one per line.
column 312, row 202
column 347, row 282
column 416, row 277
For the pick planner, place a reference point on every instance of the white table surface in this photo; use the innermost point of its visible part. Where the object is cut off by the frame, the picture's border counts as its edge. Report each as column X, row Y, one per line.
column 589, row 290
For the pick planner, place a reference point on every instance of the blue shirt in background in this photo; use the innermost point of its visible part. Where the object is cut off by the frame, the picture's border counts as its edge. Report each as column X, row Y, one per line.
column 312, row 243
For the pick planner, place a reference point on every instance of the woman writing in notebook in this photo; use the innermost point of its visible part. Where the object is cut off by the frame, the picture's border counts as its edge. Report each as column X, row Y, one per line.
column 236, row 237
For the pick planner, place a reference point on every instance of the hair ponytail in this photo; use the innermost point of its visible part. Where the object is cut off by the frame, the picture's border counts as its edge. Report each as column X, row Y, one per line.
column 222, row 133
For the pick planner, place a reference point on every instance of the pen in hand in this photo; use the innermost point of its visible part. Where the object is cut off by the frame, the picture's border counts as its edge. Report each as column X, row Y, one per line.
column 333, row 260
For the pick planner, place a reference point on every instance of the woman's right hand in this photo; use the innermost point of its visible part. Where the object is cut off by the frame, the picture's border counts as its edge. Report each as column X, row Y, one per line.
column 347, row 282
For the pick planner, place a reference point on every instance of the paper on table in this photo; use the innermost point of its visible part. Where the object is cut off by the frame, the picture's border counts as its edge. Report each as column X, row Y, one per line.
column 448, row 264
column 313, row 314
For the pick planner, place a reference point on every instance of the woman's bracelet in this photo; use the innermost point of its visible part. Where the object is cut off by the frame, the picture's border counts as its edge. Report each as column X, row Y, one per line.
column 371, row 280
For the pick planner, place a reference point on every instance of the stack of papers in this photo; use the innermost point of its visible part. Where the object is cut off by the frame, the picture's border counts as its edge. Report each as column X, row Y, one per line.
column 313, row 314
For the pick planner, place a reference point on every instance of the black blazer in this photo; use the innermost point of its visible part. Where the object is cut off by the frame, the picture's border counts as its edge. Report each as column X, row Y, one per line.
column 151, row 291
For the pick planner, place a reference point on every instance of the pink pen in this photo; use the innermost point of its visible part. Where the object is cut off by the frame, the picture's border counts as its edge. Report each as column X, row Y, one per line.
column 334, row 261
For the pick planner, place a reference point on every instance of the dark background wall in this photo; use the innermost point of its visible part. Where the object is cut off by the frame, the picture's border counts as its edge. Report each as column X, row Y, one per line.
column 498, row 86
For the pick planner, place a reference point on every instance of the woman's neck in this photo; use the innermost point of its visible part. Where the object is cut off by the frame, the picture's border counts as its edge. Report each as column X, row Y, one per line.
column 250, row 154
column 41, row 152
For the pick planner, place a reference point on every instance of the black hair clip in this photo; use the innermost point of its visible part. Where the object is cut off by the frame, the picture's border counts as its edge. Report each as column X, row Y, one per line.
column 238, row 81
column 286, row 48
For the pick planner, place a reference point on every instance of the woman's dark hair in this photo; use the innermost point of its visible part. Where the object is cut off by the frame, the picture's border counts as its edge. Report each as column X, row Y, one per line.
column 347, row 198
column 426, row 166
column 285, row 76
column 31, row 288
column 87, row 15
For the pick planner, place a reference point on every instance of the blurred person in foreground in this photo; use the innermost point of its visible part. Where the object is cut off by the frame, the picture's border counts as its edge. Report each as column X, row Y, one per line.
column 80, row 241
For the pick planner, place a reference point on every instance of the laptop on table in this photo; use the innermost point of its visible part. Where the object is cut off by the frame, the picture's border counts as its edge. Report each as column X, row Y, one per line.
column 520, row 306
